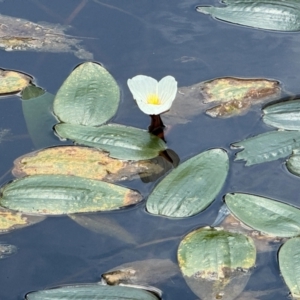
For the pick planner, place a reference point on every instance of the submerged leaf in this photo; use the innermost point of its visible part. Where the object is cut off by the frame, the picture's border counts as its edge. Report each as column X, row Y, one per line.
column 285, row 115
column 18, row 34
column 221, row 97
column 7, row 250
column 91, row 291
column 145, row 272
column 120, row 141
column 89, row 96
column 265, row 215
column 289, row 262
column 191, row 187
column 85, row 162
column 59, row 194
column 12, row 81
column 267, row 146
column 268, row 14
column 10, row 220
column 37, row 111
column 105, row 226
column 215, row 262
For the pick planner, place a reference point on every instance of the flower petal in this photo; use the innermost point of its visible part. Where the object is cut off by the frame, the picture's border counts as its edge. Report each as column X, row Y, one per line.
column 167, row 90
column 141, row 87
column 150, row 109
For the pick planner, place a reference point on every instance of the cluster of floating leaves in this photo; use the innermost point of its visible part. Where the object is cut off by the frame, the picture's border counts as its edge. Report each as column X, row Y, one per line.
column 85, row 178
column 216, row 262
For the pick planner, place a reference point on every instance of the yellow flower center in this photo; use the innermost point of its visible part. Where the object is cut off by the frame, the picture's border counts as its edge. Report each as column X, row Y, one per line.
column 153, row 99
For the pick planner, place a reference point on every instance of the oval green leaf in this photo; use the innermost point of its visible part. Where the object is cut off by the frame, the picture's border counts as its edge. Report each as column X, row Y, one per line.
column 89, row 96
column 269, row 14
column 284, row 115
column 268, row 146
column 120, row 141
column 265, row 215
column 214, row 261
column 191, row 187
column 289, row 264
column 59, row 194
column 92, row 291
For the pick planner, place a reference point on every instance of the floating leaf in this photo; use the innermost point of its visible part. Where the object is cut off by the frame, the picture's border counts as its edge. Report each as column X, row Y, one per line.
column 214, row 262
column 191, row 187
column 18, row 34
column 12, row 81
column 228, row 95
column 59, row 194
column 10, row 220
column 37, row 110
column 120, row 141
column 89, row 96
column 267, row 146
column 266, row 215
column 285, row 115
column 150, row 271
column 85, row 162
column 293, row 163
column 289, row 262
column 91, row 291
column 7, row 250
column 105, row 226
column 269, row 14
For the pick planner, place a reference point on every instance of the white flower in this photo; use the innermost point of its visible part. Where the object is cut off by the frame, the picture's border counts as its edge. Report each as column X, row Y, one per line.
column 152, row 97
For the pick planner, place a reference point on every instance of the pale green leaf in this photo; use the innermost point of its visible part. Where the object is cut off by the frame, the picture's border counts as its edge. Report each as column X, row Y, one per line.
column 289, row 264
column 267, row 146
column 60, row 194
column 269, row 14
column 285, row 115
column 216, row 262
column 89, row 96
column 191, row 187
column 93, row 292
column 265, row 215
column 120, row 141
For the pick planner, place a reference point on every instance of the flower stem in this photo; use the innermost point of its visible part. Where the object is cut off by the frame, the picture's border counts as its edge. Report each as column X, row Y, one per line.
column 157, row 126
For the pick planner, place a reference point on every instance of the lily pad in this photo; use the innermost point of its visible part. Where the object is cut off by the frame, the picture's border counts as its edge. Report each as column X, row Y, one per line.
column 18, row 34
column 120, row 141
column 150, row 271
column 269, row 14
column 13, row 81
column 59, row 194
column 105, row 226
column 91, row 291
column 37, row 110
column 84, row 162
column 191, row 187
column 265, row 215
column 285, row 115
column 268, row 146
column 289, row 262
column 11, row 220
column 221, row 97
column 89, row 96
column 215, row 263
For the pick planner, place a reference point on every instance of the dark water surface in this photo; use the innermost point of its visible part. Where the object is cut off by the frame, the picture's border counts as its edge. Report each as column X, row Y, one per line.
column 154, row 38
